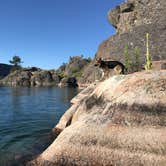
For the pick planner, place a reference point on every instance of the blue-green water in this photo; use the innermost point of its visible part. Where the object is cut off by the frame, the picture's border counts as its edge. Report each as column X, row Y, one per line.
column 27, row 116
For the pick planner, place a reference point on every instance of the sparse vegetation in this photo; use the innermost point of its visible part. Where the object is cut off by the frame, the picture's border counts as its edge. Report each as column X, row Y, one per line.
column 136, row 59
column 134, row 65
column 127, row 59
column 76, row 72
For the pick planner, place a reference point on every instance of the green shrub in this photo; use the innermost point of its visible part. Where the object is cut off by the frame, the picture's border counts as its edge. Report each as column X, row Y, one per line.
column 77, row 72
column 61, row 74
column 127, row 59
column 136, row 63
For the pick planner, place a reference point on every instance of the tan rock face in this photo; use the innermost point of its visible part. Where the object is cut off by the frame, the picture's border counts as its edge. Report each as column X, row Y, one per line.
column 121, row 121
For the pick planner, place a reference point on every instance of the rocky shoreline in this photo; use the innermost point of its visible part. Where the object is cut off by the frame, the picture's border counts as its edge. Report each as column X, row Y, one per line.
column 121, row 121
column 67, row 75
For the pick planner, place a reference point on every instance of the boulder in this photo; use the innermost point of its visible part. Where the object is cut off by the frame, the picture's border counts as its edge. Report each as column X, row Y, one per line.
column 121, row 121
column 68, row 82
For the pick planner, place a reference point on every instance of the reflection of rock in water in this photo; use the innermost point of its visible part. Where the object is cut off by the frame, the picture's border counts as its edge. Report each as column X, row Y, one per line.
column 37, row 148
column 68, row 93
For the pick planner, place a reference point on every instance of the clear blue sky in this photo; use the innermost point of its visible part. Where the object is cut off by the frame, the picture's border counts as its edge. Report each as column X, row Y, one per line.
column 44, row 33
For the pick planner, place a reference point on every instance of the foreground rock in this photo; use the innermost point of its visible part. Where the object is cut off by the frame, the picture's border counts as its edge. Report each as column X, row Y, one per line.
column 121, row 121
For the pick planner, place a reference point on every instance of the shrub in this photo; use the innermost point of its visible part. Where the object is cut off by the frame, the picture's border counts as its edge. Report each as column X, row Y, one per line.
column 76, row 72
column 136, row 59
column 127, row 59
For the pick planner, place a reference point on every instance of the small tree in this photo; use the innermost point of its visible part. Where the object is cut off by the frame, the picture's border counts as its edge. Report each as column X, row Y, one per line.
column 16, row 61
column 89, row 59
column 136, row 59
column 127, row 58
column 148, row 64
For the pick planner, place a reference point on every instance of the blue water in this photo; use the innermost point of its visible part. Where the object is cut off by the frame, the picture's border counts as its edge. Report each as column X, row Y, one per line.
column 27, row 116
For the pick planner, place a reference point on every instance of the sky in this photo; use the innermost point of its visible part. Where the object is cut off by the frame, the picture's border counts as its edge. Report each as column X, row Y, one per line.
column 45, row 33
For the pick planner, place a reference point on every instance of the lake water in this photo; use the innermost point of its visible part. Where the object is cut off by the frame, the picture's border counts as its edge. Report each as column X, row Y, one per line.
column 27, row 116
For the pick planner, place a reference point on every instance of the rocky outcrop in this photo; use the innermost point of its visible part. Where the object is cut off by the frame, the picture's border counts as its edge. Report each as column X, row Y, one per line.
column 132, row 20
column 75, row 66
column 73, row 71
column 121, row 121
column 133, row 13
column 4, row 70
column 66, row 75
column 42, row 78
column 31, row 77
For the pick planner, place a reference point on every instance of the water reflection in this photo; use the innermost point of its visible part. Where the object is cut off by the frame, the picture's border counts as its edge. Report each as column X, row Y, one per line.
column 27, row 116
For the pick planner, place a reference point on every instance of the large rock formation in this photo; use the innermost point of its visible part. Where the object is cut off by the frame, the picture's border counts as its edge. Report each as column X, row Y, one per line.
column 132, row 20
column 121, row 121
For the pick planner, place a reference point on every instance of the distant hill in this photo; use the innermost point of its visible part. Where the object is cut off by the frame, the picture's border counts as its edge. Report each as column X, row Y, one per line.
column 4, row 70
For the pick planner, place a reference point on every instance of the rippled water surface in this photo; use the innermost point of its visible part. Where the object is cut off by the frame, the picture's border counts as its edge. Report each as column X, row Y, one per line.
column 27, row 116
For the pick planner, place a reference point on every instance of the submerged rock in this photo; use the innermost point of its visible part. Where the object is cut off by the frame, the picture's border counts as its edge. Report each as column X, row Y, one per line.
column 121, row 121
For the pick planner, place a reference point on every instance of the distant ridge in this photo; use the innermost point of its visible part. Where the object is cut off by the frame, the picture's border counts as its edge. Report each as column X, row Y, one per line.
column 4, row 70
